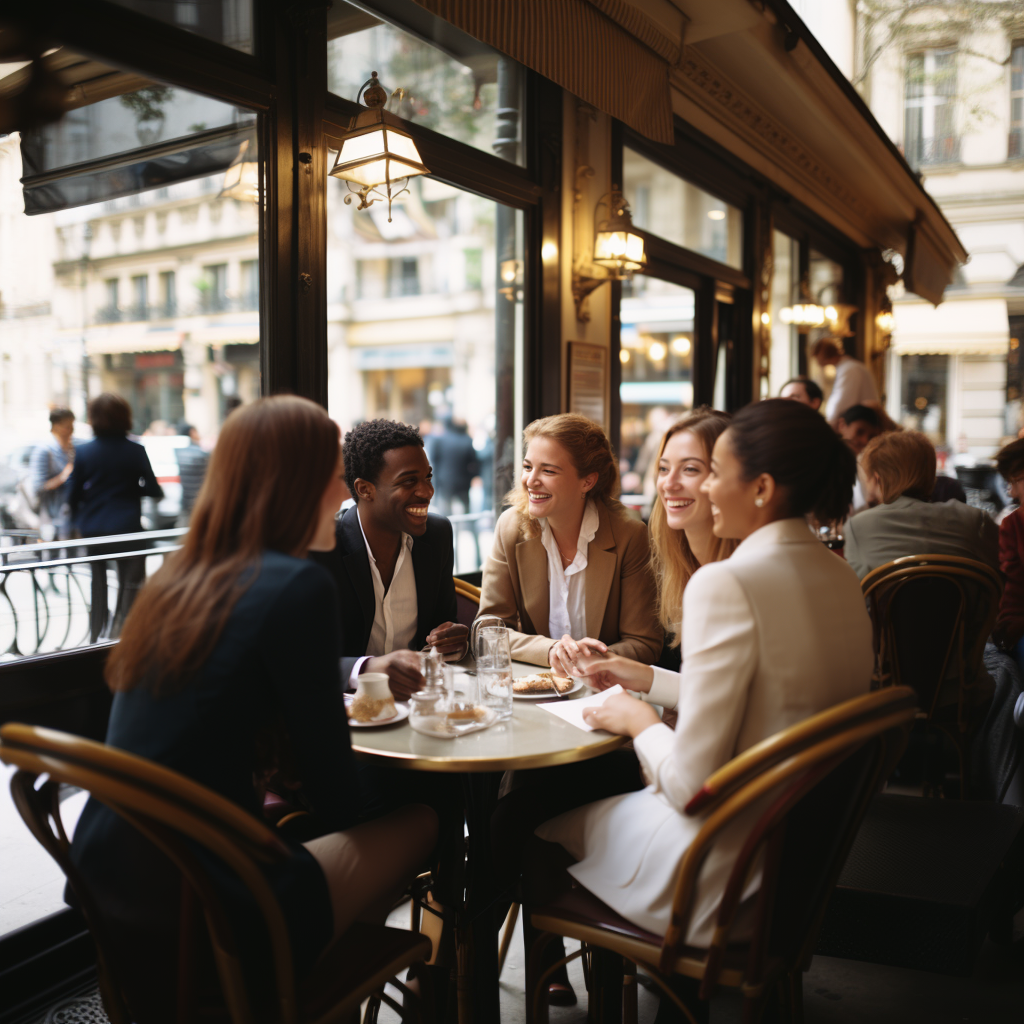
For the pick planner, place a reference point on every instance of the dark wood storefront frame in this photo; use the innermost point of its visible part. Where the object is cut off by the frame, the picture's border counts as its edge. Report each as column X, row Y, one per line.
column 285, row 82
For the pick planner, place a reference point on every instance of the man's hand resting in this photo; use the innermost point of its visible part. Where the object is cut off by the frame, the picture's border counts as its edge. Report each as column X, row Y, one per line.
column 402, row 669
column 451, row 639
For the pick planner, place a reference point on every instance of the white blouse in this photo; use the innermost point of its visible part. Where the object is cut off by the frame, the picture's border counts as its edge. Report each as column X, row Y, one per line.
column 567, row 588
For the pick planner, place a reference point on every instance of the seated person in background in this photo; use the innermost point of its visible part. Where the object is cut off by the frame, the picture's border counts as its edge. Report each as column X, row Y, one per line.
column 858, row 425
column 803, row 389
column 569, row 568
column 1009, row 628
column 233, row 639
column 898, row 473
column 393, row 562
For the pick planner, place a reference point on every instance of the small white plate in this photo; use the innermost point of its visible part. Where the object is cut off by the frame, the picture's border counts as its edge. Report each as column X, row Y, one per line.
column 402, row 714
column 577, row 685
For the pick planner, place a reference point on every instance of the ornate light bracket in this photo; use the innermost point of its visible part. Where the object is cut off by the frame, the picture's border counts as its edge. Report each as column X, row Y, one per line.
column 617, row 248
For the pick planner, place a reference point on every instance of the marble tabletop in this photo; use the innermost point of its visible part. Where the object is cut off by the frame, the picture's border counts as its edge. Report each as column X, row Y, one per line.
column 533, row 738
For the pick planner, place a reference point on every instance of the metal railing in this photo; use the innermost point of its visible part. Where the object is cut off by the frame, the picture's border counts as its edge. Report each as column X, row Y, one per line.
column 56, row 595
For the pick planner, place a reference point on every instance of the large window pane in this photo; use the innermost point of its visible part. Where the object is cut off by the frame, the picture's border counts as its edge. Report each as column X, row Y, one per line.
column 224, row 21
column 465, row 91
column 674, row 209
column 657, row 341
column 825, row 282
column 152, row 294
column 425, row 320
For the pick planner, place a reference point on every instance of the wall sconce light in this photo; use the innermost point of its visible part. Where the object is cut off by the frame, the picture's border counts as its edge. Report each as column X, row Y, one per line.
column 681, row 345
column 885, row 322
column 511, row 273
column 657, row 352
column 804, row 314
column 617, row 248
column 377, row 156
column 242, row 178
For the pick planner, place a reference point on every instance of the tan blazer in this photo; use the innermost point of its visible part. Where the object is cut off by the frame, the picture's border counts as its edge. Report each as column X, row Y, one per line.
column 621, row 594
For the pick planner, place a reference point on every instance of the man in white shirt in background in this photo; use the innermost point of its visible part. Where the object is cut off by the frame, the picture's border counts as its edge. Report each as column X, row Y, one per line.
column 853, row 384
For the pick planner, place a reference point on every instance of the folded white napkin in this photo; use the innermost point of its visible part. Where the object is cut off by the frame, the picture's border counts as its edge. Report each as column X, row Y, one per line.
column 572, row 710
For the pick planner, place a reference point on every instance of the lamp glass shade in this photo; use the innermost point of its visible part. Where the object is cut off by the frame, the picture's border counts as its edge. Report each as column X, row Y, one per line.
column 619, row 251
column 242, row 178
column 376, row 155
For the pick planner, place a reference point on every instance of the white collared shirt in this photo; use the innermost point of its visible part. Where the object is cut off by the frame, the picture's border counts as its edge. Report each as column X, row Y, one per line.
column 853, row 385
column 567, row 588
column 396, row 612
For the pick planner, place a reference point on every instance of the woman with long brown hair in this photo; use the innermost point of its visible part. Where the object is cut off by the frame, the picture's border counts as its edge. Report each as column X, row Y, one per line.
column 235, row 637
column 681, row 524
column 569, row 568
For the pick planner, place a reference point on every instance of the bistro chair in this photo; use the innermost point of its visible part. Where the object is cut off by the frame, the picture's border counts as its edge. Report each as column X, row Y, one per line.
column 931, row 616
column 467, row 600
column 818, row 778
column 175, row 815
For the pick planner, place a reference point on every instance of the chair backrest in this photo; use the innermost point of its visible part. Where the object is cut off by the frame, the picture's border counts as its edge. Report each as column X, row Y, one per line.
column 811, row 785
column 467, row 601
column 172, row 812
column 931, row 616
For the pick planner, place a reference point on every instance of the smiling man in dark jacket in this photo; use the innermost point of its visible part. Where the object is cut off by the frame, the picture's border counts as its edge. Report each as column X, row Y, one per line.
column 393, row 561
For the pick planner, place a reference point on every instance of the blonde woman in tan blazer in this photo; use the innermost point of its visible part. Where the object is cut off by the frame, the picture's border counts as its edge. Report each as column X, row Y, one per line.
column 569, row 571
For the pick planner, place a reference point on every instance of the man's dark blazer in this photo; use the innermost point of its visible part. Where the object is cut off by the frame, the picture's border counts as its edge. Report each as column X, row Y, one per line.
column 433, row 560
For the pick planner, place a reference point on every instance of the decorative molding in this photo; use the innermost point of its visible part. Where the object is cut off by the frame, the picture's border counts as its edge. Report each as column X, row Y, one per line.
column 731, row 106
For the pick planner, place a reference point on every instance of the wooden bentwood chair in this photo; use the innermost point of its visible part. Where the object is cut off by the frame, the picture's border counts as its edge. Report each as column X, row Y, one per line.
column 176, row 814
column 819, row 777
column 931, row 616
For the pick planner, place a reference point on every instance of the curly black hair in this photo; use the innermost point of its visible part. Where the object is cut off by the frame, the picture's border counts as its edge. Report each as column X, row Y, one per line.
column 366, row 445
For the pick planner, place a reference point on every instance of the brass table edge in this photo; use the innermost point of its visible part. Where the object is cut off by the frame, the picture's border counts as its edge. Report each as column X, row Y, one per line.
column 439, row 763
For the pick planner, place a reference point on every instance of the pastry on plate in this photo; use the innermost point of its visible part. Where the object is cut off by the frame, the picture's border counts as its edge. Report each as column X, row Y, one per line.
column 541, row 682
column 367, row 709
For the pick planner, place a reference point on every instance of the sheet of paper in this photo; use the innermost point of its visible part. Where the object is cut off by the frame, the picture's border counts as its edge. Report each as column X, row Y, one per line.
column 572, row 710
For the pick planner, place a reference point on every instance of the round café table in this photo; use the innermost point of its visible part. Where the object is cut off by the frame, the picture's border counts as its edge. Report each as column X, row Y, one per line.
column 533, row 738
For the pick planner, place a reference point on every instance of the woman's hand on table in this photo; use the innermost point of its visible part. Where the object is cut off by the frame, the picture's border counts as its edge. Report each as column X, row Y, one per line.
column 602, row 671
column 622, row 715
column 451, row 639
column 565, row 654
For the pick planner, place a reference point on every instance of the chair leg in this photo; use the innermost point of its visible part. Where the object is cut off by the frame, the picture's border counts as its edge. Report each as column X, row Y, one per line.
column 606, row 988
column 630, row 1002
column 506, row 936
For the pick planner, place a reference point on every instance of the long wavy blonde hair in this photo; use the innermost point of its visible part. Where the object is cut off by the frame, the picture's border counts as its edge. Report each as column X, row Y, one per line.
column 588, row 449
column 672, row 560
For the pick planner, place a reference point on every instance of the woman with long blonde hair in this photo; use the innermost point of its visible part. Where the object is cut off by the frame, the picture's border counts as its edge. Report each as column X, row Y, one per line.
column 681, row 525
column 236, row 638
column 569, row 568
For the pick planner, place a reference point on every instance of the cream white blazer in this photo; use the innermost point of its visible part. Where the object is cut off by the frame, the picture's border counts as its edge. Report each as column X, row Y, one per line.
column 772, row 635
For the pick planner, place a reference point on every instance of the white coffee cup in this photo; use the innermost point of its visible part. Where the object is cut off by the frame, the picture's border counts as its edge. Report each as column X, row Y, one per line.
column 373, row 686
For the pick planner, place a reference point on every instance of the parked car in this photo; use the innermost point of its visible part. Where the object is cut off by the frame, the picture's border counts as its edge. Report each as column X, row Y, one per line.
column 163, row 515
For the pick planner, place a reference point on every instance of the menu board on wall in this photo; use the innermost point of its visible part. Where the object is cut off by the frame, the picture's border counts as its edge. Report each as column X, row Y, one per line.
column 588, row 380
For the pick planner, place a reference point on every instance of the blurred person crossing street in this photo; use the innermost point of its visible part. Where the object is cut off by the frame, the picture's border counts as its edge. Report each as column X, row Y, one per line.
column 49, row 473
column 192, row 463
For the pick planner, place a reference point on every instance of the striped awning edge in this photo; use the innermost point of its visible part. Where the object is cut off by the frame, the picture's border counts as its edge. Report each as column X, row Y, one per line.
column 583, row 46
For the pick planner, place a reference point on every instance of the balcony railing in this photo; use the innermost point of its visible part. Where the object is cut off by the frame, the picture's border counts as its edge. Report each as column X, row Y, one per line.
column 60, row 595
column 166, row 311
column 944, row 149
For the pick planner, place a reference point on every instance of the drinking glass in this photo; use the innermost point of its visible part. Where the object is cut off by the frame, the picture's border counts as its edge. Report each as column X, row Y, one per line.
column 494, row 670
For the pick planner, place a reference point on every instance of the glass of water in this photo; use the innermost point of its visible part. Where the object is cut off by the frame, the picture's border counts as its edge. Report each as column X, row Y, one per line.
column 494, row 670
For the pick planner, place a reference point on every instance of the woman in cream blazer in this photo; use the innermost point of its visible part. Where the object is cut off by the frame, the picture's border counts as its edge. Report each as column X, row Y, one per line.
column 771, row 636
column 564, row 521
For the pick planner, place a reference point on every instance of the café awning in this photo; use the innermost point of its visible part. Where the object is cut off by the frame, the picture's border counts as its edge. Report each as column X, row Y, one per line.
column 121, row 340
column 962, row 326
